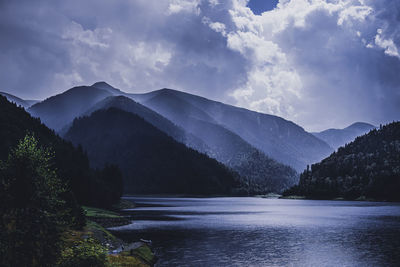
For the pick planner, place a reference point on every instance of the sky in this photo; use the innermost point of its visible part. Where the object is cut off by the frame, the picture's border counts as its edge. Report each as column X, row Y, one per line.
column 320, row 63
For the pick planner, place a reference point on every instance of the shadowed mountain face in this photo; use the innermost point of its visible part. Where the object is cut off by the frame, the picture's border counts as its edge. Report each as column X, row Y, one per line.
column 158, row 121
column 339, row 137
column 282, row 140
column 60, row 110
column 151, row 161
column 20, row 102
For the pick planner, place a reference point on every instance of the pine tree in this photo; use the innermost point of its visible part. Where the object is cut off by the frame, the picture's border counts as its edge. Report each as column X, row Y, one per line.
column 33, row 214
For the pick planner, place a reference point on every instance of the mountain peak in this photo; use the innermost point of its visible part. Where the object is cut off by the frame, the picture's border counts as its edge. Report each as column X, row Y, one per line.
column 361, row 125
column 105, row 86
column 102, row 85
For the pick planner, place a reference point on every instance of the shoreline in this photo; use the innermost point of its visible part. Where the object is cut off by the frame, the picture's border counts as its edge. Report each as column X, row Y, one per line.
column 360, row 199
column 120, row 252
column 266, row 196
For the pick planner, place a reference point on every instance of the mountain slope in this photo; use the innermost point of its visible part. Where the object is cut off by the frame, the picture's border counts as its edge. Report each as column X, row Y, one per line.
column 20, row 102
column 163, row 124
column 151, row 161
column 367, row 167
column 225, row 146
column 60, row 110
column 105, row 86
column 71, row 163
column 282, row 140
column 339, row 137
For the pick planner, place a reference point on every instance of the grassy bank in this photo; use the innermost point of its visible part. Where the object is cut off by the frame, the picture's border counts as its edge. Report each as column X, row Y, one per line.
column 94, row 245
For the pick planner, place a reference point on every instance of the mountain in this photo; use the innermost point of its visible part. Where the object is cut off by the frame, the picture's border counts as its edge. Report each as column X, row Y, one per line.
column 280, row 139
column 20, row 102
column 89, row 186
column 339, row 137
column 225, row 146
column 151, row 161
column 368, row 167
column 236, row 137
column 201, row 132
column 105, row 86
column 60, row 110
column 158, row 121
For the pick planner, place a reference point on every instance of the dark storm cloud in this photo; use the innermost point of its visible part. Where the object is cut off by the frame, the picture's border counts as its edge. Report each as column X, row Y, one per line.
column 320, row 63
column 49, row 46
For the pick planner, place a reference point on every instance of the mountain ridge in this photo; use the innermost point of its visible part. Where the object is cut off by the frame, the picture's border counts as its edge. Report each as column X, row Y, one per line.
column 278, row 138
column 265, row 132
column 339, row 137
column 19, row 101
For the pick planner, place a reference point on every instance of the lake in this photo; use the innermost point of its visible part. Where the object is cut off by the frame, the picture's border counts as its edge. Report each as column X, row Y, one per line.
column 249, row 231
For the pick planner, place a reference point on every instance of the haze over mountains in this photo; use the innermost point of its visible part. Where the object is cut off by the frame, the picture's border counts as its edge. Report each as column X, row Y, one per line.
column 20, row 102
column 280, row 139
column 259, row 147
column 339, row 137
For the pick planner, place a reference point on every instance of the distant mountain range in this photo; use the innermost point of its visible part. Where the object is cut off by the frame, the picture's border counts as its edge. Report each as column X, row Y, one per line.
column 261, row 173
column 339, row 137
column 368, row 167
column 278, row 138
column 18, row 101
column 255, row 145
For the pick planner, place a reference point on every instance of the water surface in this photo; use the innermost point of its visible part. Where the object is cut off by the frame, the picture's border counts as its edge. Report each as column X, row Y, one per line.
column 267, row 232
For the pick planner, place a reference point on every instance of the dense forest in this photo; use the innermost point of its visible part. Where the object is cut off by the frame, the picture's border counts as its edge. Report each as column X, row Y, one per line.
column 100, row 187
column 150, row 160
column 368, row 167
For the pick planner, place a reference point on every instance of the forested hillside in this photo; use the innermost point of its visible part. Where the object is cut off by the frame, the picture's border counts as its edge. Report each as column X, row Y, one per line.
column 96, row 187
column 151, row 161
column 368, row 167
column 155, row 119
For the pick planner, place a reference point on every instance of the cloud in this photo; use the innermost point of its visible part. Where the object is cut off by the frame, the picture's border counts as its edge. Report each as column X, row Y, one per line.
column 134, row 45
column 319, row 63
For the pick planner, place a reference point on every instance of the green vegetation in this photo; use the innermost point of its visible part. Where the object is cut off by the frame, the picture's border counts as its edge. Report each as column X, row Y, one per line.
column 87, row 252
column 99, row 231
column 101, row 188
column 97, row 212
column 43, row 182
column 145, row 253
column 33, row 210
column 367, row 168
column 125, row 261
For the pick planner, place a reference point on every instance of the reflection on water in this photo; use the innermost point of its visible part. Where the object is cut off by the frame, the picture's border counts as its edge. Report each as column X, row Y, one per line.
column 267, row 232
